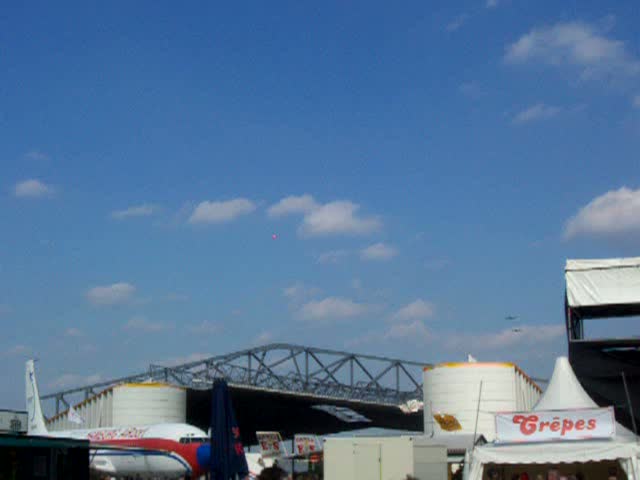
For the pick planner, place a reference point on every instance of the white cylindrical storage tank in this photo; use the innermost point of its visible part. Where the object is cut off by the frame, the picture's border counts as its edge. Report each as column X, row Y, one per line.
column 454, row 389
column 148, row 403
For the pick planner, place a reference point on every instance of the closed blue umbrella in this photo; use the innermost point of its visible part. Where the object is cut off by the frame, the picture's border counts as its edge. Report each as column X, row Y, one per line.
column 227, row 452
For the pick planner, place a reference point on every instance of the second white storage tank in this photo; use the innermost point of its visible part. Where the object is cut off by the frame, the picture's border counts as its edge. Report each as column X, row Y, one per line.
column 453, row 390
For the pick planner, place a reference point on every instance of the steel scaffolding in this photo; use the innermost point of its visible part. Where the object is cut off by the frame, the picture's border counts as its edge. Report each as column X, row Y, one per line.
column 285, row 368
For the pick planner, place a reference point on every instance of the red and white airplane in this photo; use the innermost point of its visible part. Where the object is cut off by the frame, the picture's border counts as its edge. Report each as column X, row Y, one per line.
column 167, row 451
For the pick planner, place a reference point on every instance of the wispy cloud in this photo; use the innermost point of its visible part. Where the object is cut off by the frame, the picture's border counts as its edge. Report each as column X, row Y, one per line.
column 36, row 155
column 378, row 252
column 219, row 212
column 299, row 291
column 491, row 4
column 263, row 338
column 141, row 323
column 415, row 332
column 291, row 205
column 331, row 309
column 416, row 310
column 579, row 45
column 72, row 380
column 206, row 328
column 114, row 294
column 456, row 23
column 536, row 112
column 18, row 351
column 33, row 188
column 192, row 357
column 615, row 212
column 144, row 210
column 332, row 256
column 635, row 101
column 73, row 332
column 525, row 335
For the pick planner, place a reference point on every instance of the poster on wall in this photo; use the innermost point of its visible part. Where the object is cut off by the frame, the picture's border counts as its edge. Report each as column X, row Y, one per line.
column 555, row 425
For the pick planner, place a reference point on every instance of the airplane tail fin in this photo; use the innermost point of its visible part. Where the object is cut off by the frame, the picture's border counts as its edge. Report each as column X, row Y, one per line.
column 35, row 420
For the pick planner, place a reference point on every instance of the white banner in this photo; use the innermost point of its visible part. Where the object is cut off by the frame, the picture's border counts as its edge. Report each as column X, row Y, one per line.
column 306, row 444
column 271, row 444
column 555, row 425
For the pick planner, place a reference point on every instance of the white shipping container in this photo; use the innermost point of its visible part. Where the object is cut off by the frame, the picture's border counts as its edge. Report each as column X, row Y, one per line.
column 383, row 458
column 454, row 389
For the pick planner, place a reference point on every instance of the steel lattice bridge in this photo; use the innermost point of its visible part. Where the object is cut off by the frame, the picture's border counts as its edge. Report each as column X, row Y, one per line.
column 285, row 368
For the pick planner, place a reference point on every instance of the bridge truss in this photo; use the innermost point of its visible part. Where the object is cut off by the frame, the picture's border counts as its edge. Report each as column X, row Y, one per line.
column 285, row 368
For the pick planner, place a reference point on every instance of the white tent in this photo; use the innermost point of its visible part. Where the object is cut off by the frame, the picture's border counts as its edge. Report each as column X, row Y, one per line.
column 592, row 283
column 563, row 393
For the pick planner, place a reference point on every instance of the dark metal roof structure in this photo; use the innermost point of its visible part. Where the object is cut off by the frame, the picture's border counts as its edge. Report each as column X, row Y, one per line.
column 314, row 373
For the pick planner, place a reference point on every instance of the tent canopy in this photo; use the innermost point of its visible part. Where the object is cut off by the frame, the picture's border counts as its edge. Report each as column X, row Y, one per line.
column 604, row 287
column 563, row 393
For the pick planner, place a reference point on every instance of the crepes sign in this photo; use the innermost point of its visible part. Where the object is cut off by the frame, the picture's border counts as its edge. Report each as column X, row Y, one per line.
column 555, row 425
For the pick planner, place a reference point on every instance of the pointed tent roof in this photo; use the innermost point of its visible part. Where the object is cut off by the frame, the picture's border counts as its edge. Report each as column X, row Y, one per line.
column 564, row 391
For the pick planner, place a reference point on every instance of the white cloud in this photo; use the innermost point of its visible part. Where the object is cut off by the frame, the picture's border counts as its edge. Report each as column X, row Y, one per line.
column 141, row 323
column 416, row 310
column 491, row 4
column 33, row 188
column 143, row 210
column 336, row 218
column 332, row 308
column 539, row 111
column 378, row 251
column 333, row 218
column 175, row 361
column 18, row 350
column 577, row 44
column 416, row 331
column 73, row 380
column 263, row 338
column 333, row 256
column 206, row 328
column 73, row 332
column 219, row 212
column 636, row 101
column 615, row 212
column 114, row 294
column 413, row 332
column 292, row 204
column 525, row 335
column 456, row 23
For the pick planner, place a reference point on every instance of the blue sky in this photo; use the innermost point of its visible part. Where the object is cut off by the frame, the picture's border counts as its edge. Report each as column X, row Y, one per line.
column 426, row 169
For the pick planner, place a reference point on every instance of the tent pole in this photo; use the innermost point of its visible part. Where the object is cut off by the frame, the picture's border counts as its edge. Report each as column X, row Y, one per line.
column 633, row 418
column 475, row 429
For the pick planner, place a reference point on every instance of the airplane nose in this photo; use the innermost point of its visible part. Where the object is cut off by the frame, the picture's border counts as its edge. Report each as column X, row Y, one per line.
column 203, row 455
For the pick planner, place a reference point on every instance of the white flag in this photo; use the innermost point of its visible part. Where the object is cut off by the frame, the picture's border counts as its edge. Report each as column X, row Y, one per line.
column 74, row 417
